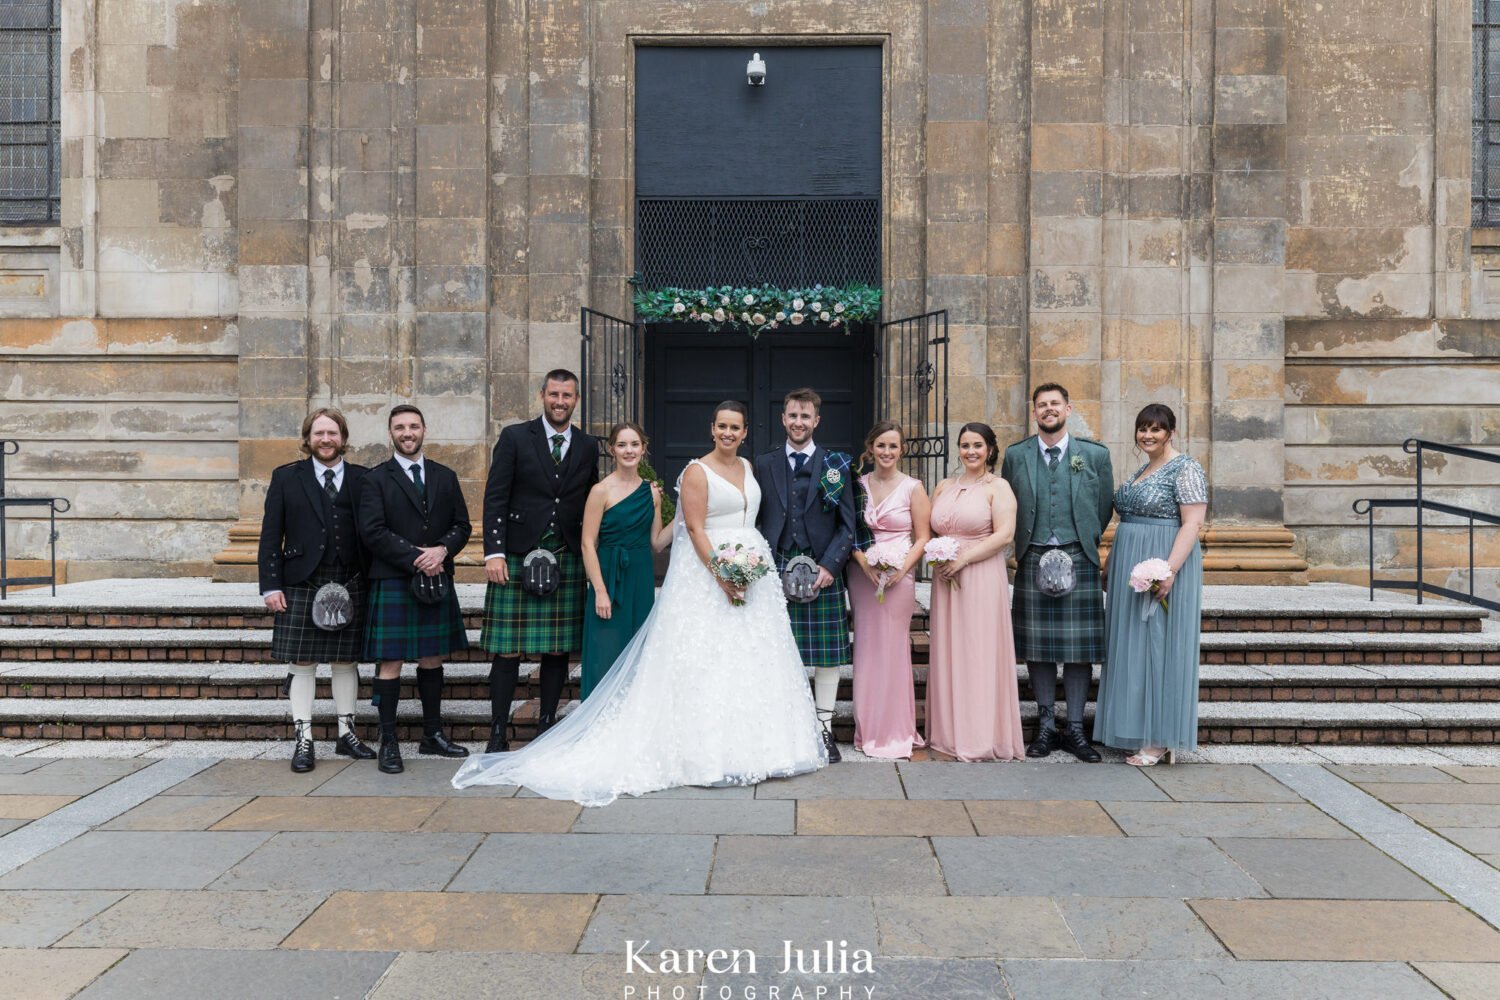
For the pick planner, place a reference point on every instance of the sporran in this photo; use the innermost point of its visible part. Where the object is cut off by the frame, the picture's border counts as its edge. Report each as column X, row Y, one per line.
column 799, row 580
column 431, row 589
column 332, row 608
column 540, row 573
column 1055, row 576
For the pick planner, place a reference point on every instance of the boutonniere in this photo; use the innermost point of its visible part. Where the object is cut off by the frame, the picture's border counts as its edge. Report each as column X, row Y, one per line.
column 1076, row 464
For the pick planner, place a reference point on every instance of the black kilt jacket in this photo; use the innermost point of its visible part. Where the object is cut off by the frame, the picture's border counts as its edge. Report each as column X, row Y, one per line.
column 294, row 532
column 394, row 523
column 527, row 493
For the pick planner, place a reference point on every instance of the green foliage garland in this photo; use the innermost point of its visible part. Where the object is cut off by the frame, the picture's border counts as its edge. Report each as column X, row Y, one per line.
column 668, row 505
column 757, row 308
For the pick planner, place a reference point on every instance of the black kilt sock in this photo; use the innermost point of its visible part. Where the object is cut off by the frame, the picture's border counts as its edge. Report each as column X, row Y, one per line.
column 505, row 673
column 554, row 671
column 1076, row 680
column 430, row 688
column 389, row 692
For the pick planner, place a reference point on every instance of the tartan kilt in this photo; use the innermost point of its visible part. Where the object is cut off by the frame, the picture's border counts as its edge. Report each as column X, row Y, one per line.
column 1068, row 629
column 294, row 637
column 517, row 622
column 821, row 626
column 399, row 627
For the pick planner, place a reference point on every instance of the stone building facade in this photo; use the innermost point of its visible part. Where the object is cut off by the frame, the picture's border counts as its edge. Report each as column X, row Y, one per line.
column 1257, row 211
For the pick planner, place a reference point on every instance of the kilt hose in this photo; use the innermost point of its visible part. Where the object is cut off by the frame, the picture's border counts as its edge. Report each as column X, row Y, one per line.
column 399, row 627
column 1067, row 629
column 517, row 622
column 294, row 637
column 821, row 626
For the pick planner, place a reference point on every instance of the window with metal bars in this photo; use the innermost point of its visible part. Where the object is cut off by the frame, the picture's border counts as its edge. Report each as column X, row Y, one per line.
column 30, row 111
column 1486, row 134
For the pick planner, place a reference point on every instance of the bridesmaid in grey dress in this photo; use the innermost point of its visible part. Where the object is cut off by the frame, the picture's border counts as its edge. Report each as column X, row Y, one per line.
column 1148, row 694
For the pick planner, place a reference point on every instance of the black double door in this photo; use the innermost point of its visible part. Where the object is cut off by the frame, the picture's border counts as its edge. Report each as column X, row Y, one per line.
column 689, row 372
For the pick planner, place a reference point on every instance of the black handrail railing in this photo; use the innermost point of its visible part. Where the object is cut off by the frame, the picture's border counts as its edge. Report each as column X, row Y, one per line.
column 54, row 505
column 1417, row 446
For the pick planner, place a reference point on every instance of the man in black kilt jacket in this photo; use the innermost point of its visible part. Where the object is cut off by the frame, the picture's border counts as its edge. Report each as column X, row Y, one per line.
column 308, row 539
column 540, row 476
column 413, row 519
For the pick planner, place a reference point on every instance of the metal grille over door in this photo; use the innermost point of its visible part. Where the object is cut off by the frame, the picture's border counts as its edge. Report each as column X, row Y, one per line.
column 913, row 384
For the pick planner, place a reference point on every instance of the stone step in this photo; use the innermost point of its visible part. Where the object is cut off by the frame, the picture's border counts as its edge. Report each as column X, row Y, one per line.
column 1355, row 648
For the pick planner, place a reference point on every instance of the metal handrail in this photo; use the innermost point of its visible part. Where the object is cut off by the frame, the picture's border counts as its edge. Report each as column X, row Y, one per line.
column 1368, row 506
column 54, row 505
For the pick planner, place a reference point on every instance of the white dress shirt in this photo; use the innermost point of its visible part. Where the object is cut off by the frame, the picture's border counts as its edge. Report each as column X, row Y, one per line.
column 407, row 463
column 1061, row 446
column 806, row 449
column 338, row 474
column 550, row 431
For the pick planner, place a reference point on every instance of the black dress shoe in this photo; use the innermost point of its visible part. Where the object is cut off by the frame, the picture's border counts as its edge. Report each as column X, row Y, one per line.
column 834, row 757
column 350, row 745
column 1076, row 743
column 302, row 755
column 390, row 756
column 1046, row 741
column 544, row 723
column 439, row 745
column 498, row 743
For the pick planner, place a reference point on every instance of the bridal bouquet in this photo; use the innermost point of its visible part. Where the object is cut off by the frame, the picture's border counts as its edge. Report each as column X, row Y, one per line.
column 1147, row 577
column 740, row 567
column 942, row 550
column 886, row 559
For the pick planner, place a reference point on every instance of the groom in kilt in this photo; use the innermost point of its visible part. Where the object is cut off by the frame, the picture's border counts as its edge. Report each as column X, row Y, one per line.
column 540, row 476
column 1064, row 489
column 807, row 509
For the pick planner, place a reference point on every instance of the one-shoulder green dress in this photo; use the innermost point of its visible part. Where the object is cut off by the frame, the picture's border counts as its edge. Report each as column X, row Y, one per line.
column 625, row 566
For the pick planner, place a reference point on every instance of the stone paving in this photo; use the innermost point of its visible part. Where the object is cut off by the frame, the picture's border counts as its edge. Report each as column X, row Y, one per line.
column 1284, row 875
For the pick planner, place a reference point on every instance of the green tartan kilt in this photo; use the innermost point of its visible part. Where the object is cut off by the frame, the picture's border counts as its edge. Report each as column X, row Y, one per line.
column 1067, row 629
column 517, row 622
column 399, row 627
column 821, row 626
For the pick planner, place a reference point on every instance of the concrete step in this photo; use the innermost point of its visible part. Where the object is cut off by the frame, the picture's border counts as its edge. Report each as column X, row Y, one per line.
column 1355, row 648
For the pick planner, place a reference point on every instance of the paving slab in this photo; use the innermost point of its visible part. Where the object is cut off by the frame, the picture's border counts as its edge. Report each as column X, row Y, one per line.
column 353, row 813
column 1446, row 793
column 943, row 780
column 35, row 919
column 31, row 806
column 422, row 976
column 1138, row 929
column 973, row 927
column 1471, row 756
column 1477, row 840
column 135, row 860
column 1167, row 867
column 14, row 749
column 907, row 978
column 101, row 750
column 53, row 975
column 1383, row 755
column 70, row 761
column 1474, row 775
column 1464, row 980
column 421, row 778
column 1421, row 773
column 20, row 765
column 1253, row 754
column 1217, row 980
column 1224, row 819
column 598, row 863
column 826, row 866
column 163, row 918
column 326, row 862
column 191, row 974
column 1324, row 869
column 7, row 825
column 757, row 923
column 707, row 816
column 256, row 777
column 865, row 781
column 1021, row 818
column 446, row 921
column 177, row 812
column 1349, row 931
column 492, row 815
column 44, row 782
column 1220, row 783
column 1438, row 815
column 882, row 818
column 696, row 792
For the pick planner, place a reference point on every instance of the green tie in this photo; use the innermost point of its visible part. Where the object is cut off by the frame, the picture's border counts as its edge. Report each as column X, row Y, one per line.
column 557, row 443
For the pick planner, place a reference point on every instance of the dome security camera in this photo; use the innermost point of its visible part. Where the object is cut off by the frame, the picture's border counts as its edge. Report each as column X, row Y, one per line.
column 755, row 71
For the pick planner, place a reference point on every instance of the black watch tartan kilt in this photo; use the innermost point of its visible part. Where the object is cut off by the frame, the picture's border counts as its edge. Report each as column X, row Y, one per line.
column 1067, row 629
column 294, row 637
column 821, row 626
column 403, row 628
column 517, row 622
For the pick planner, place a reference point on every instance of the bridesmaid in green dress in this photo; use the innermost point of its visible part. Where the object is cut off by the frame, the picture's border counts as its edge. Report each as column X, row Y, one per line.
column 621, row 528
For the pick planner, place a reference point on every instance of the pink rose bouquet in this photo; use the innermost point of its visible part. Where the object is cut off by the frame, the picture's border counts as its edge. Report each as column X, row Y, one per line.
column 942, row 550
column 1147, row 578
column 740, row 567
column 886, row 558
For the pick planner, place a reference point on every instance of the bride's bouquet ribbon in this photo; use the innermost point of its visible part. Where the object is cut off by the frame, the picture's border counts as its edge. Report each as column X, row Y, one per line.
column 886, row 558
column 1147, row 578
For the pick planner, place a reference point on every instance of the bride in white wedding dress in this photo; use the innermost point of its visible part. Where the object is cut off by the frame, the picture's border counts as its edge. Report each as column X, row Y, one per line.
column 707, row 693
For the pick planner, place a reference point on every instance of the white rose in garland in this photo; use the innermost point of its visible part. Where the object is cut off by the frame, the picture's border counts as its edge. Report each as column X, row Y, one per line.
column 678, row 308
column 744, row 317
column 797, row 317
column 780, row 316
column 723, row 300
column 797, row 305
column 815, row 307
column 838, row 307
column 759, row 319
column 749, row 300
column 719, row 315
column 823, row 315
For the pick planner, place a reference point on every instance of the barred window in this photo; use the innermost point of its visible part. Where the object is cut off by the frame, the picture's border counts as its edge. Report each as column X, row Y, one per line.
column 30, row 111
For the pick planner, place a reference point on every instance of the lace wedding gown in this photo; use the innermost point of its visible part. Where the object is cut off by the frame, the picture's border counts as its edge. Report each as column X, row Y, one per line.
column 705, row 694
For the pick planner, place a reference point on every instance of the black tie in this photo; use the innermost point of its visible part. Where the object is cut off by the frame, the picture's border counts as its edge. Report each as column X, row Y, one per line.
column 1052, row 454
column 416, row 479
column 798, row 460
column 328, row 487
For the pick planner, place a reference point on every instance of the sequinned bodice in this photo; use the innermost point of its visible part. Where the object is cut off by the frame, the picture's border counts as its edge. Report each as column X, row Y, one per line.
column 1180, row 481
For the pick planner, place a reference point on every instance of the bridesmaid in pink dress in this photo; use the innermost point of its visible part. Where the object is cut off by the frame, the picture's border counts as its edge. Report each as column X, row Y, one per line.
column 896, row 509
column 973, row 708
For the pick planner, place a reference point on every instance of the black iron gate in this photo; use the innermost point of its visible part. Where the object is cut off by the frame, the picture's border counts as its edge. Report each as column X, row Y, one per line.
column 912, row 384
column 610, row 370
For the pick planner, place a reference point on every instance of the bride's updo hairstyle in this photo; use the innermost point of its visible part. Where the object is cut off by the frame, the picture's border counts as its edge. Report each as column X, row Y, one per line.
column 992, row 447
column 734, row 406
column 628, row 425
column 867, row 457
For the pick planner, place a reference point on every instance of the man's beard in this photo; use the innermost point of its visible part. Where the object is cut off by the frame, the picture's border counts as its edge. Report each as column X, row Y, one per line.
column 1058, row 424
column 401, row 449
column 555, row 421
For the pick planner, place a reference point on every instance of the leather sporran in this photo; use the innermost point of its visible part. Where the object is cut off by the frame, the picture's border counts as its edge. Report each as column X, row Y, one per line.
column 332, row 607
column 431, row 589
column 799, row 580
column 540, row 573
column 1055, row 575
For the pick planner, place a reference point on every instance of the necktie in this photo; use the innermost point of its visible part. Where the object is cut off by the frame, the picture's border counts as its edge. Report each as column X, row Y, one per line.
column 557, row 443
column 328, row 486
column 1052, row 454
column 798, row 460
column 416, row 479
